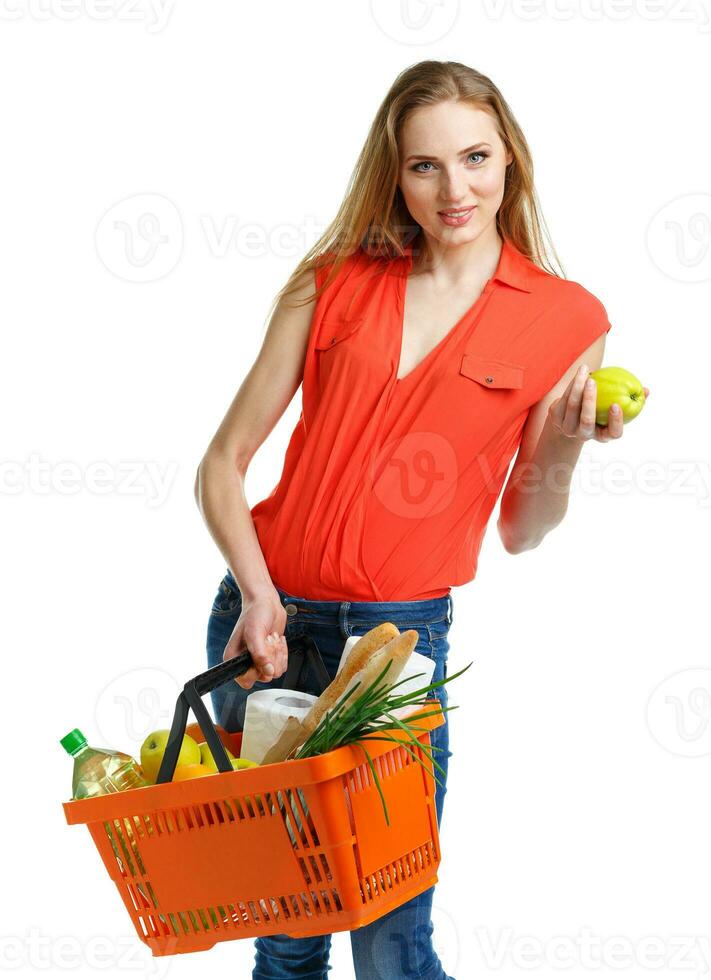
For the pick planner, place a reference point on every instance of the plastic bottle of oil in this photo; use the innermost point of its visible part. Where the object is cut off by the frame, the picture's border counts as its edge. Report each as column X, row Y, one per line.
column 100, row 771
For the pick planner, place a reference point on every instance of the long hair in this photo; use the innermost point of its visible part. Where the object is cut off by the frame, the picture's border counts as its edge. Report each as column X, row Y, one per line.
column 373, row 215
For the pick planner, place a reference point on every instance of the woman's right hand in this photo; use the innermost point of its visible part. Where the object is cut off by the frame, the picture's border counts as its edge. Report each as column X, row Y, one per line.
column 260, row 629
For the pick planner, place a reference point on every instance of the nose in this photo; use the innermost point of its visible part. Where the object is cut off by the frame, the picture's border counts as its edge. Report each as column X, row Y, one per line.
column 453, row 190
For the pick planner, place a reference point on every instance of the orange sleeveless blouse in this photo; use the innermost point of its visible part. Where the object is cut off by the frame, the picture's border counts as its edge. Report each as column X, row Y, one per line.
column 387, row 485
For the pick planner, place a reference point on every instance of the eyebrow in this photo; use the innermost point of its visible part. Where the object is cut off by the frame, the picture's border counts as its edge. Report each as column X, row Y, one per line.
column 431, row 156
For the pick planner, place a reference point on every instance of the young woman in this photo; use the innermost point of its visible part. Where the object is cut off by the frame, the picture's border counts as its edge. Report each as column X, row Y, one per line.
column 432, row 343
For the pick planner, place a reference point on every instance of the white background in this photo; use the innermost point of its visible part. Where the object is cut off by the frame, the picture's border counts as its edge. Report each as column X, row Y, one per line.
column 579, row 785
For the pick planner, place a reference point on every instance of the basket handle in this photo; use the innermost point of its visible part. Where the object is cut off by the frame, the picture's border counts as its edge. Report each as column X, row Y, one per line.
column 302, row 650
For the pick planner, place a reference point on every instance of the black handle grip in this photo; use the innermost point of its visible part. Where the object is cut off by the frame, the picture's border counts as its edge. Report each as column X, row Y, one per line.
column 191, row 697
column 301, row 651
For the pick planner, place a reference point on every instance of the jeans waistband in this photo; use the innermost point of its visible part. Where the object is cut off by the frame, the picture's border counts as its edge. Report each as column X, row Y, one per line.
column 424, row 610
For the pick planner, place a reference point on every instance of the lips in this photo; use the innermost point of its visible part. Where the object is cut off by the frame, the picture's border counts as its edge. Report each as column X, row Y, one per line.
column 456, row 212
column 455, row 218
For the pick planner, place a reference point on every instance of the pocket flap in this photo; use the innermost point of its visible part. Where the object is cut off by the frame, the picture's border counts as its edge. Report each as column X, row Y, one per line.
column 333, row 329
column 492, row 373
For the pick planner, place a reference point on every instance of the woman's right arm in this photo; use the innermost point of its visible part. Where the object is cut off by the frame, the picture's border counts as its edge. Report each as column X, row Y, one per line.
column 261, row 400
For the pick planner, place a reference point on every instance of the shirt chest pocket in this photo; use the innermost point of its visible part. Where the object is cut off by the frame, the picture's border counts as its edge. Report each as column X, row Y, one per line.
column 492, row 373
column 334, row 329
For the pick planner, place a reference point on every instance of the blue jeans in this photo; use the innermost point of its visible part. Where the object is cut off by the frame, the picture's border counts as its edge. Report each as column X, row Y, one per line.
column 398, row 944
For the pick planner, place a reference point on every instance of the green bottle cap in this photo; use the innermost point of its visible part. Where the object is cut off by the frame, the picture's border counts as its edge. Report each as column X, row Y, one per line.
column 73, row 741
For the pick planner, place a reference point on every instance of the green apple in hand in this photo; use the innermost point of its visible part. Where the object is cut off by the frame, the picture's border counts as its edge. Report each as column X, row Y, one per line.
column 615, row 385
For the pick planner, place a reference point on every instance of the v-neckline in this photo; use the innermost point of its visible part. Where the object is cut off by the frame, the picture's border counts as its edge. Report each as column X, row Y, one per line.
column 429, row 356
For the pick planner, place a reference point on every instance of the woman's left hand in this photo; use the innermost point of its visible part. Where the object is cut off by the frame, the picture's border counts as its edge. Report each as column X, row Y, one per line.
column 573, row 414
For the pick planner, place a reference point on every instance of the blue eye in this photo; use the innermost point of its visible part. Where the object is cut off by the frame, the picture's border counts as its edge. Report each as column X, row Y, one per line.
column 474, row 153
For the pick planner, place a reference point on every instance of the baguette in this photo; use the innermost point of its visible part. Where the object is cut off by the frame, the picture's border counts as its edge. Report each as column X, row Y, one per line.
column 358, row 658
column 397, row 652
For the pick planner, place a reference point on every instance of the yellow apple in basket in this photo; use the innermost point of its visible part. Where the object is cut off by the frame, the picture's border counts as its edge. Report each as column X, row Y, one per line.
column 243, row 764
column 615, row 385
column 207, row 758
column 153, row 750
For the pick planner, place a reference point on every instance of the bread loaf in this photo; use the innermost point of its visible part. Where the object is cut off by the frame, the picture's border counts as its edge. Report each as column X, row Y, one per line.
column 358, row 659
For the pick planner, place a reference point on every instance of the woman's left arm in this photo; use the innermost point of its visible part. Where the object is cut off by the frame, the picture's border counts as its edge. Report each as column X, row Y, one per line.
column 536, row 495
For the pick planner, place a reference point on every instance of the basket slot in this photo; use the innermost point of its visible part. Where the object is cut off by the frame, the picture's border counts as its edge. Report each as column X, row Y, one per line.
column 119, row 845
column 317, row 876
column 307, row 818
column 183, row 821
column 241, row 815
column 249, row 805
column 225, row 810
column 245, row 914
column 292, row 815
column 148, row 826
column 303, row 905
column 138, row 906
column 213, row 813
column 284, row 909
column 121, row 832
column 169, row 822
column 130, row 825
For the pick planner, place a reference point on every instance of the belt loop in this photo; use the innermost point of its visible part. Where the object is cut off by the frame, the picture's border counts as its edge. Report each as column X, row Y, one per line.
column 342, row 614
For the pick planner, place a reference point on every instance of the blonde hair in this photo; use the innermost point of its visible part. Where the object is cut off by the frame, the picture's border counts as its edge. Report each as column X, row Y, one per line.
column 373, row 215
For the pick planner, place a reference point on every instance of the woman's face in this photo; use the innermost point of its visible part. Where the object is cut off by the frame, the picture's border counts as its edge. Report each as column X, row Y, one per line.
column 452, row 157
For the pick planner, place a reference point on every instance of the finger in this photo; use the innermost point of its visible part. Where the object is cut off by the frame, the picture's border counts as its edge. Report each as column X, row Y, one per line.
column 262, row 668
column 586, row 426
column 559, row 408
column 280, row 653
column 284, row 655
column 247, row 679
column 264, row 656
column 571, row 419
column 615, row 424
column 234, row 648
column 646, row 392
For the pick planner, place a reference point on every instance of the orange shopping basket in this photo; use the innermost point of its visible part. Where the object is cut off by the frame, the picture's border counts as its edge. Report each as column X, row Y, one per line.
column 299, row 847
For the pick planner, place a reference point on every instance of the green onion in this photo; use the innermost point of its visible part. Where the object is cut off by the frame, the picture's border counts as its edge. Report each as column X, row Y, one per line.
column 360, row 720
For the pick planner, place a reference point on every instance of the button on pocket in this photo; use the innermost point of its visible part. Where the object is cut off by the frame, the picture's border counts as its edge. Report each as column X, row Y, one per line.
column 491, row 373
column 332, row 330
